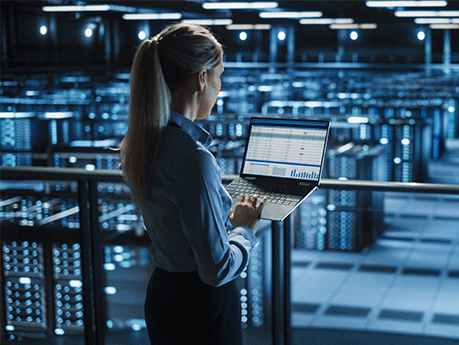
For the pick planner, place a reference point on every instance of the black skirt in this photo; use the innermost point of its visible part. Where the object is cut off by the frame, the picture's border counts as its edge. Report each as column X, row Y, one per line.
column 181, row 309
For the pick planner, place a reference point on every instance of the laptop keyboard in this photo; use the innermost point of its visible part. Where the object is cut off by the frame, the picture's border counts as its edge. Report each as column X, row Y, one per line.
column 279, row 194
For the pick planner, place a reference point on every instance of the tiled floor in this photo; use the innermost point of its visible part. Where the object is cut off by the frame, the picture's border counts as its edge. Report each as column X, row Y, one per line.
column 407, row 282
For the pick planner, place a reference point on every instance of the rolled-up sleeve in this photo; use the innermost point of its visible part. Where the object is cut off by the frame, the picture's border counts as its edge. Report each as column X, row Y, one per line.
column 220, row 257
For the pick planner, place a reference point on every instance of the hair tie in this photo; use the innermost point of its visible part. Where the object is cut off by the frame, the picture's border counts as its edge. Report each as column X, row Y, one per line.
column 157, row 39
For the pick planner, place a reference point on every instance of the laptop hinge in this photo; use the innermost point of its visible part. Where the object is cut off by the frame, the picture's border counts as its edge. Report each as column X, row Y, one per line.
column 250, row 178
column 304, row 183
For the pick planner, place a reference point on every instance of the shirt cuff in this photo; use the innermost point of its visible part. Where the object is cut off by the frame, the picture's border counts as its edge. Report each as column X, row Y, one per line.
column 247, row 236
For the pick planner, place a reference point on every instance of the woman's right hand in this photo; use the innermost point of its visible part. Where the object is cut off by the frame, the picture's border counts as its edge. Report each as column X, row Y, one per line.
column 246, row 212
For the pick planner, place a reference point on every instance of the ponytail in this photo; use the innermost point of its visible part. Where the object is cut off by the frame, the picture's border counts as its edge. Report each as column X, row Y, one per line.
column 149, row 109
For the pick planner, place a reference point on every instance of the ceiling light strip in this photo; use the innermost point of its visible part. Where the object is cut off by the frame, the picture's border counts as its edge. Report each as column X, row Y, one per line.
column 86, row 8
column 426, row 13
column 249, row 27
column 368, row 26
column 433, row 21
column 291, row 15
column 208, row 21
column 90, row 8
column 433, row 3
column 354, row 26
column 239, row 5
column 326, row 21
column 152, row 16
column 444, row 26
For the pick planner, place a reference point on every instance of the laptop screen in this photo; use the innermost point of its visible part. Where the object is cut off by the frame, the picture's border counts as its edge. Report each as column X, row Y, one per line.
column 285, row 148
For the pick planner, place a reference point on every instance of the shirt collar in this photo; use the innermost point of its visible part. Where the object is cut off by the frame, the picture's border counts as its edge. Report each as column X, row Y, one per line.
column 191, row 128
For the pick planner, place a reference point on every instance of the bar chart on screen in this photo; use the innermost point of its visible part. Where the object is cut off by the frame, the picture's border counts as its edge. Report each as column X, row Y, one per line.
column 304, row 174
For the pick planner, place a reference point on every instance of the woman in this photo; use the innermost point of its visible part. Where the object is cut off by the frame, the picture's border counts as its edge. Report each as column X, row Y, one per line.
column 199, row 245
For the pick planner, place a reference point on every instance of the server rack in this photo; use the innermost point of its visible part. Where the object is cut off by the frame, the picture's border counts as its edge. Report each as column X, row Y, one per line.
column 41, row 259
column 353, row 217
column 254, row 283
column 310, row 227
column 453, row 118
column 16, row 140
column 24, row 288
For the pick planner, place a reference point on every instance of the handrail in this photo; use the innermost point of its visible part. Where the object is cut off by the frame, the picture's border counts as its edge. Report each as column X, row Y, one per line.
column 47, row 173
column 57, row 174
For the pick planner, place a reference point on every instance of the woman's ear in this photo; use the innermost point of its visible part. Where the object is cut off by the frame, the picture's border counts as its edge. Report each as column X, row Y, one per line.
column 202, row 77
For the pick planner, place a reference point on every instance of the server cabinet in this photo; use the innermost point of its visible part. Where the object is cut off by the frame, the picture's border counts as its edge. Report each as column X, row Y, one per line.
column 41, row 260
column 354, row 216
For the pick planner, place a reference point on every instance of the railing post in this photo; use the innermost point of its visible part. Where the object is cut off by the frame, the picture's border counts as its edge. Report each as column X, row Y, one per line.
column 276, row 290
column 96, row 259
column 281, row 261
column 86, row 262
column 2, row 297
column 287, row 279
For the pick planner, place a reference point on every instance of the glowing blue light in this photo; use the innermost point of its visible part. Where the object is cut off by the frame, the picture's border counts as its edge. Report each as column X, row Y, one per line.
column 59, row 331
column 118, row 249
column 243, row 35
column 43, row 30
column 265, row 88
column 142, row 35
column 109, row 266
column 281, row 35
column 421, row 35
column 25, row 280
column 136, row 327
column 76, row 283
column 88, row 32
column 110, row 290
column 331, row 207
column 354, row 35
column 358, row 119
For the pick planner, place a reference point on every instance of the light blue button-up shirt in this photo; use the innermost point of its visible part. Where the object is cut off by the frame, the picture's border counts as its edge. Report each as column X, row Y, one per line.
column 187, row 217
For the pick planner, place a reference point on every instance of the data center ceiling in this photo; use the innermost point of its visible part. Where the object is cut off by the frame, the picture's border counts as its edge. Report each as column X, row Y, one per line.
column 358, row 10
column 391, row 33
column 194, row 8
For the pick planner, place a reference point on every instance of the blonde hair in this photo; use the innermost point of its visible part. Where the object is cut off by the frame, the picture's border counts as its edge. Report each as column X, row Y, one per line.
column 161, row 65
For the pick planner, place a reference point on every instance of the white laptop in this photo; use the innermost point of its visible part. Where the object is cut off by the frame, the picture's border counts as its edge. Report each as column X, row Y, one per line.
column 283, row 160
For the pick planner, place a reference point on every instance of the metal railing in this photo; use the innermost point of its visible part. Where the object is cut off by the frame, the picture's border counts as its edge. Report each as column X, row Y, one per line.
column 45, row 173
column 92, row 254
